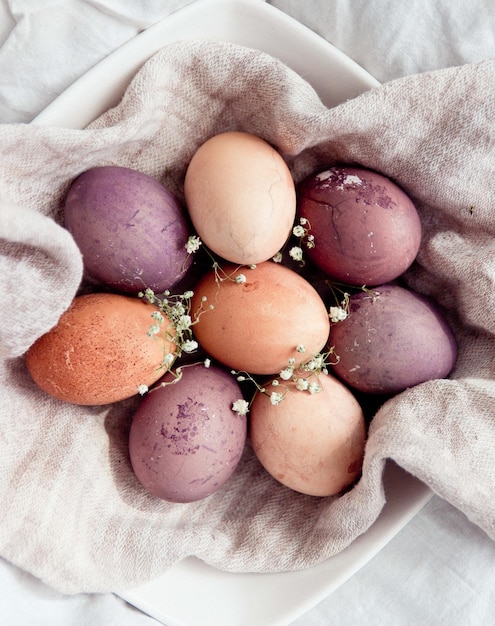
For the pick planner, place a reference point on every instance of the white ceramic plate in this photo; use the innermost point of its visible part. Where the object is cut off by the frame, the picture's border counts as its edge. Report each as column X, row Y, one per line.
column 191, row 593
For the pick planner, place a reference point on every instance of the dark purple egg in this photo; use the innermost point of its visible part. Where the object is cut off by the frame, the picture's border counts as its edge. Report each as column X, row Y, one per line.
column 366, row 229
column 131, row 230
column 392, row 339
column 185, row 440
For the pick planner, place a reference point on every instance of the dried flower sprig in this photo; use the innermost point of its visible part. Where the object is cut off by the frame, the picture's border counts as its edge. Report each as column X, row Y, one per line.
column 305, row 376
column 305, row 240
column 177, row 310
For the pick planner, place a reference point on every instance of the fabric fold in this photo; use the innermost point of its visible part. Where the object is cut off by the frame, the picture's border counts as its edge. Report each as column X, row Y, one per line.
column 69, row 487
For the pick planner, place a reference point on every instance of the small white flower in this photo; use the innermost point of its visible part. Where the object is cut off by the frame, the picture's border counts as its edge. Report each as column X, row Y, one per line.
column 298, row 231
column 241, row 407
column 188, row 294
column 179, row 309
column 142, row 389
column 154, row 329
column 190, row 345
column 193, row 244
column 302, row 384
column 157, row 316
column 301, row 348
column 314, row 387
column 276, row 397
column 207, row 362
column 275, row 383
column 303, row 221
column 316, row 363
column 337, row 314
column 168, row 358
column 277, row 258
column 286, row 374
column 296, row 253
column 184, row 322
column 240, row 279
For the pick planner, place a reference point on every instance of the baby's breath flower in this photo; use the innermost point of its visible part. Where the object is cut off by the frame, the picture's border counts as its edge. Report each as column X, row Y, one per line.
column 298, row 231
column 337, row 314
column 168, row 358
column 275, row 383
column 314, row 387
column 207, row 363
column 142, row 389
column 315, row 364
column 184, row 322
column 286, row 374
column 296, row 253
column 301, row 348
column 154, row 329
column 241, row 407
column 156, row 315
column 302, row 384
column 193, row 244
column 240, row 278
column 277, row 258
column 303, row 221
column 276, row 397
column 189, row 345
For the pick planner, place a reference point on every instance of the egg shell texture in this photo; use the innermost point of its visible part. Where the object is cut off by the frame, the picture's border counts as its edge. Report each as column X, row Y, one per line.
column 256, row 326
column 367, row 230
column 99, row 352
column 311, row 443
column 241, row 197
column 185, row 440
column 393, row 339
column 131, row 230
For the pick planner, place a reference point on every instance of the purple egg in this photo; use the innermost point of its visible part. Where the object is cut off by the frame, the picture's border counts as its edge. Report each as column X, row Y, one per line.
column 392, row 339
column 131, row 230
column 185, row 439
column 366, row 229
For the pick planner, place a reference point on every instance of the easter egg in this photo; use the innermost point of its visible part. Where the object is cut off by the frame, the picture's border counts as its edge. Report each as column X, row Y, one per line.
column 100, row 350
column 260, row 319
column 185, row 439
column 312, row 443
column 366, row 230
column 241, row 197
column 131, row 230
column 392, row 339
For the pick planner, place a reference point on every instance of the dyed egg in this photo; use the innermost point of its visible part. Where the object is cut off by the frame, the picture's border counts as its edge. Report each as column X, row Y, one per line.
column 366, row 229
column 241, row 197
column 311, row 443
column 100, row 351
column 131, row 230
column 185, row 440
column 392, row 339
column 261, row 317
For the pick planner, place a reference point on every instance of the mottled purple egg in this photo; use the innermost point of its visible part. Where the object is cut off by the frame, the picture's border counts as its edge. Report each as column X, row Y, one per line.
column 185, row 440
column 366, row 229
column 392, row 339
column 131, row 230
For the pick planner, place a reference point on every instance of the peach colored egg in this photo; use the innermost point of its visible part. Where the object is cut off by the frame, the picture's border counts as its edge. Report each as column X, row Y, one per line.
column 100, row 351
column 311, row 443
column 241, row 197
column 257, row 324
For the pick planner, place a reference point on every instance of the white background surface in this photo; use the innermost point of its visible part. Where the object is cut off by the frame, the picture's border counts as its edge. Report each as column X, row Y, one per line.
column 440, row 568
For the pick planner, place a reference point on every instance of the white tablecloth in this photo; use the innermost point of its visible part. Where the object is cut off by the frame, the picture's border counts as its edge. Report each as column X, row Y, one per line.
column 440, row 568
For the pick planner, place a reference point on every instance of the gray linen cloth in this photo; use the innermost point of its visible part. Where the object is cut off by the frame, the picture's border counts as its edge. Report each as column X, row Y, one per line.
column 72, row 511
